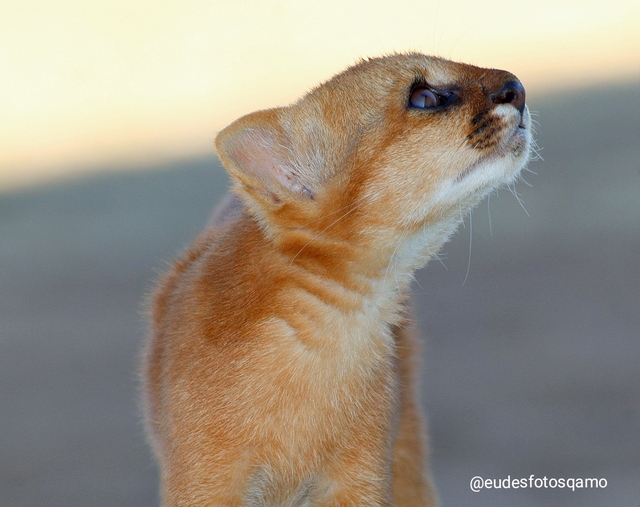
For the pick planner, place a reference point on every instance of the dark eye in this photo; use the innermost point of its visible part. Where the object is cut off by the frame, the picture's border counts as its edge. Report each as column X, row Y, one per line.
column 424, row 98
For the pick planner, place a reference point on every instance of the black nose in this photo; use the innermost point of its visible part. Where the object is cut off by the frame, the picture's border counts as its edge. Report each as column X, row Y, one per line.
column 512, row 92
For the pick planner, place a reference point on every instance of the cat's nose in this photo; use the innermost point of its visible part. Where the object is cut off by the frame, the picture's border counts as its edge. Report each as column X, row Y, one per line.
column 512, row 92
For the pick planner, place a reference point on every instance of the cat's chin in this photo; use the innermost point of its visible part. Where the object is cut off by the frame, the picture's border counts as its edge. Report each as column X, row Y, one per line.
column 503, row 165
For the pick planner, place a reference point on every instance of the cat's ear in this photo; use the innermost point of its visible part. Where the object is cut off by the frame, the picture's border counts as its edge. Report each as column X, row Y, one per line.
column 258, row 153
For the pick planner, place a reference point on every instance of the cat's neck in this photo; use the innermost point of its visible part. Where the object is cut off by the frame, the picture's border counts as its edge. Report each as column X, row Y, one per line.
column 378, row 266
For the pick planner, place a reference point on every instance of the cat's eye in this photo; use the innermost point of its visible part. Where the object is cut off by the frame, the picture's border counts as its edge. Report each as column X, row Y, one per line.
column 424, row 98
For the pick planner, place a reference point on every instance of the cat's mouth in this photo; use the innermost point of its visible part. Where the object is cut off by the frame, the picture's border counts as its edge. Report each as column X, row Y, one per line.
column 514, row 146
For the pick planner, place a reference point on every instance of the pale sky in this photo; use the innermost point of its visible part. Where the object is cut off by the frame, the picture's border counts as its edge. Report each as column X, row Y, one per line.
column 116, row 83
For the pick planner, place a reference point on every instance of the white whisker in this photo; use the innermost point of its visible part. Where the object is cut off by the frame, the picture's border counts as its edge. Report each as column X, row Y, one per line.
column 515, row 194
column 489, row 213
column 525, row 182
column 355, row 203
column 356, row 206
column 392, row 260
column 470, row 244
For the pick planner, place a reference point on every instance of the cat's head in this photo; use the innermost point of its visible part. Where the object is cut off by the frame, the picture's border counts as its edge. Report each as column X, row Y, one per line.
column 391, row 144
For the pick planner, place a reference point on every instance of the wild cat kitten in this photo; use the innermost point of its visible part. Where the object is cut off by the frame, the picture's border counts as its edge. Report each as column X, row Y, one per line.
column 281, row 367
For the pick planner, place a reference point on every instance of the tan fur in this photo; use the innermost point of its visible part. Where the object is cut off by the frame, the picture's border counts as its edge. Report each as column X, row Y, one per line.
column 281, row 368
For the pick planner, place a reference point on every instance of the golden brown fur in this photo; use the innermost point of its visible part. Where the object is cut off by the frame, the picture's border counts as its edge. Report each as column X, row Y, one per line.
column 281, row 367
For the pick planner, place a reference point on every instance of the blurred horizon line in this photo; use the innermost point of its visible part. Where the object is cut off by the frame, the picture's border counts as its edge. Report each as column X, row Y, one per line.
column 141, row 158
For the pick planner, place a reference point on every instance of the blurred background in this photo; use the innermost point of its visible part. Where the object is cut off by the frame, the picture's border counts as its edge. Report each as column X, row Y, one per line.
column 531, row 322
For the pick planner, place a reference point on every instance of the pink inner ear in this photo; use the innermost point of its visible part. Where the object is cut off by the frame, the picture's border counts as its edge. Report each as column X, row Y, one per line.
column 253, row 153
column 256, row 153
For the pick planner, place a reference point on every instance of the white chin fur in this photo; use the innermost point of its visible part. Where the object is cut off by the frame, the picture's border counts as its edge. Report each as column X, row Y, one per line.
column 491, row 171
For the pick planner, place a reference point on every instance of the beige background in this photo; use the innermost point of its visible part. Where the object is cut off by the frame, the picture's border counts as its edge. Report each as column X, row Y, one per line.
column 111, row 84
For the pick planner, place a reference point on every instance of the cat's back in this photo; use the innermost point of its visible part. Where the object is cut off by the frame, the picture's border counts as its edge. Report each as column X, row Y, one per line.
column 204, row 308
column 216, row 279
